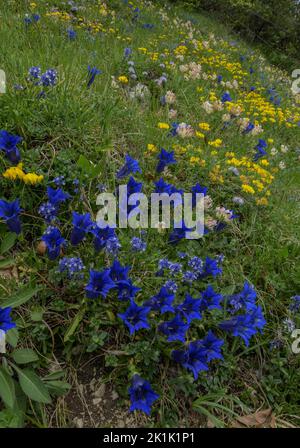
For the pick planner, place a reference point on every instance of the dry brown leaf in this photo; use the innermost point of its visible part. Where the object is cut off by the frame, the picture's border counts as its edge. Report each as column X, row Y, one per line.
column 260, row 419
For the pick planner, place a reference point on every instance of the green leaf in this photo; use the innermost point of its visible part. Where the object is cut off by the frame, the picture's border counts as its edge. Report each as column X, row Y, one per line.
column 7, row 242
column 58, row 387
column 6, row 263
column 24, row 356
column 12, row 337
column 7, row 388
column 33, row 386
column 22, row 296
column 74, row 324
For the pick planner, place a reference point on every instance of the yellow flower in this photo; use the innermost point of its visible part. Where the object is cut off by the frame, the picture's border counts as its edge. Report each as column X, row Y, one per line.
column 248, row 189
column 204, row 126
column 163, row 125
column 123, row 79
column 151, row 147
column 32, row 178
column 262, row 201
column 15, row 172
column 199, row 134
column 216, row 143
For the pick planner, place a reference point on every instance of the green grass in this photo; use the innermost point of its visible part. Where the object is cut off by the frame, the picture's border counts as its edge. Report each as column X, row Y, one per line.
column 103, row 124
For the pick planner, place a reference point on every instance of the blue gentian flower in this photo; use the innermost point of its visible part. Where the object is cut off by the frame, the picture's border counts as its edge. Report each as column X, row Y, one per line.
column 178, row 234
column 260, row 149
column 56, row 196
column 174, row 329
column 6, row 322
column 245, row 325
column 9, row 212
column 135, row 317
column 100, row 283
column 8, row 144
column 71, row 34
column 141, row 395
column 102, row 236
column 226, row 97
column 219, row 78
column 92, row 72
column 162, row 187
column 249, row 128
column 211, row 347
column 131, row 166
column 81, row 226
column 193, row 358
column 118, row 272
column 210, row 300
column 162, row 301
column 189, row 308
column 165, row 158
column 127, row 52
column 126, row 290
column 53, row 240
column 133, row 186
column 211, row 267
column 245, row 299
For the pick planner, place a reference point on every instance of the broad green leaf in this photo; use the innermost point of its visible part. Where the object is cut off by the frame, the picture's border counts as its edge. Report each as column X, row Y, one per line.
column 7, row 388
column 6, row 263
column 24, row 356
column 7, row 242
column 74, row 324
column 21, row 297
column 54, row 375
column 12, row 337
column 58, row 387
column 33, row 386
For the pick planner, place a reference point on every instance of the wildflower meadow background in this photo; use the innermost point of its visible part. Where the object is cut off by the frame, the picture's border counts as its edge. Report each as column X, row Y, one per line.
column 142, row 327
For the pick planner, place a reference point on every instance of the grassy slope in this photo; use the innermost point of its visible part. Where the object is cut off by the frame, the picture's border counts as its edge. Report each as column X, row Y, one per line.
column 103, row 125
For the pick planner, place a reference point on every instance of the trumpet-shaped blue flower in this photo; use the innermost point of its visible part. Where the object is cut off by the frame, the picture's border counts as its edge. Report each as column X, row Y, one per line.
column 193, row 358
column 141, row 395
column 81, row 226
column 100, row 283
column 131, row 166
column 53, row 240
column 189, row 308
column 6, row 322
column 260, row 151
column 9, row 212
column 210, row 300
column 135, row 317
column 92, row 73
column 8, row 144
column 174, row 329
column 162, row 301
column 126, row 290
column 165, row 158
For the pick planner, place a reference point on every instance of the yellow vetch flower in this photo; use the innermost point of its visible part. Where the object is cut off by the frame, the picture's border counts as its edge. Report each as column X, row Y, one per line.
column 151, row 147
column 248, row 189
column 163, row 125
column 32, row 178
column 204, row 126
column 123, row 79
column 199, row 134
column 15, row 172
